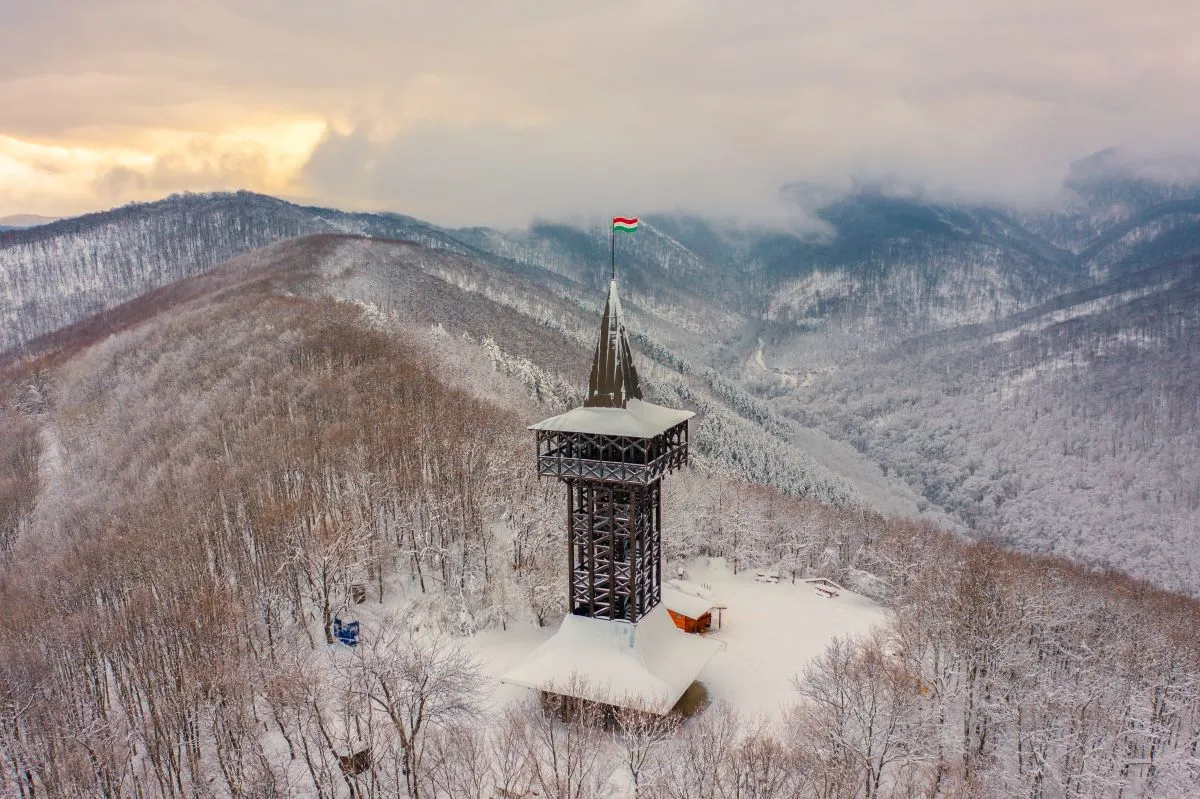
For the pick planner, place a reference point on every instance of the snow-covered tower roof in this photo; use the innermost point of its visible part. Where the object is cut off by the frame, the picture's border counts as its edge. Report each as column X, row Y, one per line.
column 614, row 404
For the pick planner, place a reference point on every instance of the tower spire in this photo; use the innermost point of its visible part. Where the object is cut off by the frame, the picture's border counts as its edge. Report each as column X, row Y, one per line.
column 614, row 380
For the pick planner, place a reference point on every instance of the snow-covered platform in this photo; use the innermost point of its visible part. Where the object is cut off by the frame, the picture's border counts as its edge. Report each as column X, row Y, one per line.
column 771, row 631
column 647, row 665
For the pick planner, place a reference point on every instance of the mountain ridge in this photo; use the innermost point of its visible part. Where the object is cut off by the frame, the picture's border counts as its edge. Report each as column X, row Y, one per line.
column 814, row 338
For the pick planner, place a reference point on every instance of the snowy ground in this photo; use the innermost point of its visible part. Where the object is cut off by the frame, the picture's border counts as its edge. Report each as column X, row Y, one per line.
column 769, row 631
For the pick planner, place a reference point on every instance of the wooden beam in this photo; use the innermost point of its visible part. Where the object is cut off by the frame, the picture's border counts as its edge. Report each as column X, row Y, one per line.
column 612, row 550
column 634, row 582
column 570, row 547
column 591, row 493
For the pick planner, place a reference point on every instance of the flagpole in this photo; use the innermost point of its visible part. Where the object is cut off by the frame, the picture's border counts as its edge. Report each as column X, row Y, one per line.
column 612, row 235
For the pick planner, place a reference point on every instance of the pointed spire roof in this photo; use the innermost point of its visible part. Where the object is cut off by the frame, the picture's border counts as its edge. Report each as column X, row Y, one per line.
column 614, row 405
column 614, row 379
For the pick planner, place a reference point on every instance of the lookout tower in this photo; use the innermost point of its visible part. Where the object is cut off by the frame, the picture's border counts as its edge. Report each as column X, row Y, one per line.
column 612, row 454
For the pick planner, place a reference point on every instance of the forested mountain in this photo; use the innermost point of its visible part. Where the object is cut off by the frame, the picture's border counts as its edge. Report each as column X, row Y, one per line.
column 193, row 482
column 1024, row 372
column 1124, row 214
column 56, row 274
column 527, row 330
column 878, row 269
column 1072, row 428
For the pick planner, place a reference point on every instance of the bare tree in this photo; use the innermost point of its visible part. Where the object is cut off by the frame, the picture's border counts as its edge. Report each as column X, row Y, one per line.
column 764, row 766
column 510, row 762
column 640, row 737
column 696, row 765
column 863, row 713
column 566, row 751
column 422, row 684
column 460, row 764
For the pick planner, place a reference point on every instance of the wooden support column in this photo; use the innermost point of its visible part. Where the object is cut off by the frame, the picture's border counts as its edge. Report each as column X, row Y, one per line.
column 612, row 553
column 571, row 578
column 634, row 583
column 656, row 584
column 591, row 537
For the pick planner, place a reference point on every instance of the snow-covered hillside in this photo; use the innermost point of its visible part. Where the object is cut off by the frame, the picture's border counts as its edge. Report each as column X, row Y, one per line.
column 828, row 323
column 190, row 502
column 1071, row 429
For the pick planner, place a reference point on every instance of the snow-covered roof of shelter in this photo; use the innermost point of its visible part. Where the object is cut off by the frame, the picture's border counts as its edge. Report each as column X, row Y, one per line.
column 647, row 665
column 687, row 604
column 637, row 419
column 688, row 587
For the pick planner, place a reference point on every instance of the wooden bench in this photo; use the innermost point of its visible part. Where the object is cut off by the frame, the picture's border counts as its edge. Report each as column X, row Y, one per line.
column 825, row 591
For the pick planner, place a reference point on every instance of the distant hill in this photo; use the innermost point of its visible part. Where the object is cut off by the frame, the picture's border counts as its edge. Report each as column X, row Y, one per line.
column 1026, row 372
column 886, row 268
column 56, row 274
column 17, row 221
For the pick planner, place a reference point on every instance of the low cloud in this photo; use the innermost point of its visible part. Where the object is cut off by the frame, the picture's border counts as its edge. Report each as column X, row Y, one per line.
column 475, row 112
column 460, row 175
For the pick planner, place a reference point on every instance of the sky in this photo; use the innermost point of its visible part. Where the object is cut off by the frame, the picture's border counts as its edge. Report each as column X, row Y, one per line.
column 486, row 112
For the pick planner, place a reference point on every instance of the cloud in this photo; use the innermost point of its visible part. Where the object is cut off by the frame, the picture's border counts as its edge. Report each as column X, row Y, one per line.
column 75, row 178
column 473, row 111
column 461, row 174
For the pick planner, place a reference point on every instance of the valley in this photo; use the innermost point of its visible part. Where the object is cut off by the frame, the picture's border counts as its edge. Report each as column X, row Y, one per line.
column 240, row 419
column 962, row 364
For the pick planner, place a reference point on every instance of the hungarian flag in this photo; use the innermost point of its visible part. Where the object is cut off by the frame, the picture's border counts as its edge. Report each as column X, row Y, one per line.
column 626, row 223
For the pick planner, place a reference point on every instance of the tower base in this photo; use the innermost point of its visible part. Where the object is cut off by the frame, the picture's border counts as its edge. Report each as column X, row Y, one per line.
column 645, row 666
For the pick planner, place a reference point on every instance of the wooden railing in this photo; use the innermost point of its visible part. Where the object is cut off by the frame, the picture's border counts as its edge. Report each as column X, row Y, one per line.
column 556, row 464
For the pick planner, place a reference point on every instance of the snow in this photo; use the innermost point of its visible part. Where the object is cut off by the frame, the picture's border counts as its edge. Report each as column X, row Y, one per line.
column 500, row 651
column 769, row 633
column 648, row 665
column 688, row 587
column 638, row 419
column 685, row 603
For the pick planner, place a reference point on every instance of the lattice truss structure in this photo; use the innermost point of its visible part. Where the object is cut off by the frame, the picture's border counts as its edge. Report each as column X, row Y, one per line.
column 614, row 515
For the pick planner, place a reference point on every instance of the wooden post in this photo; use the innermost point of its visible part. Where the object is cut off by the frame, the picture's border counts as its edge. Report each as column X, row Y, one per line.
column 634, row 583
column 591, row 500
column 570, row 547
column 612, row 553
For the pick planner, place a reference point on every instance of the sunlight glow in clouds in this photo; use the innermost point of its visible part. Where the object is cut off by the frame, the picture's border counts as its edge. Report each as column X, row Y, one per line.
column 80, row 177
column 469, row 111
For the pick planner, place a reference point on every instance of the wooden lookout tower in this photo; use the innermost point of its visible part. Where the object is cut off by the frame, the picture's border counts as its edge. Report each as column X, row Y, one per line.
column 612, row 454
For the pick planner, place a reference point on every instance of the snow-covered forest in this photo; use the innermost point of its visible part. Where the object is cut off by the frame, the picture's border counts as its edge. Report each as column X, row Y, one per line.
column 197, row 481
column 187, row 503
column 1071, row 430
column 957, row 347
column 54, row 275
